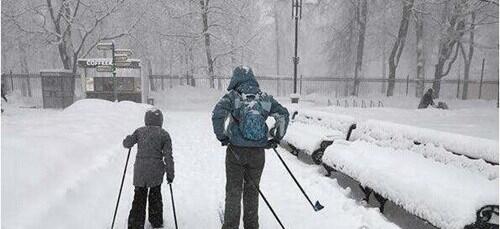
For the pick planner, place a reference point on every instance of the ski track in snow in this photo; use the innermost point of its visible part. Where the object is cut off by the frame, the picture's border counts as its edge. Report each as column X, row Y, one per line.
column 87, row 198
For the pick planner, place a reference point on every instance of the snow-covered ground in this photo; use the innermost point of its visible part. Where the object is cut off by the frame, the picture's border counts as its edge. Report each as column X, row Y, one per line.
column 62, row 169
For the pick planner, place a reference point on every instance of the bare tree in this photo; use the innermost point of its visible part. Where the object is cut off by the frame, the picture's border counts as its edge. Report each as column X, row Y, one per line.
column 341, row 42
column 467, row 46
column 277, row 36
column 361, row 19
column 399, row 44
column 204, row 4
column 467, row 55
column 69, row 25
column 453, row 23
column 419, row 35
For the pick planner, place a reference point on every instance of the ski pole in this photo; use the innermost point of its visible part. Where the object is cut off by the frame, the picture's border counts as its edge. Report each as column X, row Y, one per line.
column 317, row 206
column 173, row 205
column 121, row 186
column 258, row 189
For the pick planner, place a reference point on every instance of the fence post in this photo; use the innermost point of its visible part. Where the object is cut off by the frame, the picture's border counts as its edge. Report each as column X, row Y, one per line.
column 481, row 82
column 458, row 86
column 407, row 83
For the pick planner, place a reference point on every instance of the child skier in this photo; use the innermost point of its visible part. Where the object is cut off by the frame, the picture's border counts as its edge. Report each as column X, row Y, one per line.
column 153, row 159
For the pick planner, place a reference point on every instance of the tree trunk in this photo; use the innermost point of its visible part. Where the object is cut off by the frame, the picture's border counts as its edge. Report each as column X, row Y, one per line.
column 436, row 84
column 399, row 45
column 419, row 32
column 384, row 73
column 208, row 51
column 361, row 13
column 465, row 86
column 468, row 58
column 150, row 75
column 186, row 64
column 191, row 68
column 64, row 55
column 455, row 30
column 232, row 55
column 384, row 55
column 23, row 58
column 62, row 46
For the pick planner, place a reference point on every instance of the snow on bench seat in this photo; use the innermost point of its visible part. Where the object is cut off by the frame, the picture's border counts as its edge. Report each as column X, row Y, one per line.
column 473, row 147
column 325, row 119
column 310, row 139
column 446, row 196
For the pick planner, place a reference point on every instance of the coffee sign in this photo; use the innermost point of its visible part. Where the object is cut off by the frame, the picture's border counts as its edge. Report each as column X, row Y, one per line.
column 98, row 62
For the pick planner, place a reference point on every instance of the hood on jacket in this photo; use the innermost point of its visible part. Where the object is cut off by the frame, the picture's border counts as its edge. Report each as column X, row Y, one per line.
column 243, row 81
column 153, row 117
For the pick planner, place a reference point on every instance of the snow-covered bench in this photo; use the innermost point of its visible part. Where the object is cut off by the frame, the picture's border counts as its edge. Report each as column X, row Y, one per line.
column 471, row 153
column 308, row 137
column 309, row 140
column 405, row 136
column 444, row 195
column 449, row 180
column 382, row 132
column 465, row 152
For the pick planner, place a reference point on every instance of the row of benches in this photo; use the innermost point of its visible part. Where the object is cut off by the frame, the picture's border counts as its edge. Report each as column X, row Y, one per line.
column 443, row 195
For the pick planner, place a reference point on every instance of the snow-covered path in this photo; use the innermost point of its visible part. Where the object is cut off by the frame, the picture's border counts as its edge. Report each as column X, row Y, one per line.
column 66, row 173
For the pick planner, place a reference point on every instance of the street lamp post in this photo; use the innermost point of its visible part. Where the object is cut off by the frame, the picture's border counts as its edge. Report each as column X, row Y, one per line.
column 296, row 15
column 110, row 46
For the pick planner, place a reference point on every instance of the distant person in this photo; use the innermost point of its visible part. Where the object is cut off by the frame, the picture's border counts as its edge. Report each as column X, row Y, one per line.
column 427, row 99
column 153, row 159
column 247, row 109
column 4, row 93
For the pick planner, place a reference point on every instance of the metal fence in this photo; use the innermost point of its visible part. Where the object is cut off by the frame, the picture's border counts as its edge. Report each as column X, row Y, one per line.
column 336, row 86
column 28, row 87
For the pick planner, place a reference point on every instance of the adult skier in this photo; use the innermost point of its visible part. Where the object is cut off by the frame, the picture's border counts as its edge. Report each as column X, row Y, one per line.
column 246, row 138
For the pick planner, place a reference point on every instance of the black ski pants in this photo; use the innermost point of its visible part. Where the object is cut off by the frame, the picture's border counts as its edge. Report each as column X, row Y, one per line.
column 240, row 172
column 137, row 214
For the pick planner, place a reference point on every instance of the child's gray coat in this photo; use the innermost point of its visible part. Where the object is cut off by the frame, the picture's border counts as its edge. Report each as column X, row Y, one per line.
column 154, row 151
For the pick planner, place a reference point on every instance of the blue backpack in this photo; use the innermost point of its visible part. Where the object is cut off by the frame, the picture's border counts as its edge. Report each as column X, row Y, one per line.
column 251, row 113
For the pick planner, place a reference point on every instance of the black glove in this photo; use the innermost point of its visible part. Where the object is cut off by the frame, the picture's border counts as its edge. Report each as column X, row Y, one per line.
column 224, row 141
column 272, row 143
column 170, row 179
